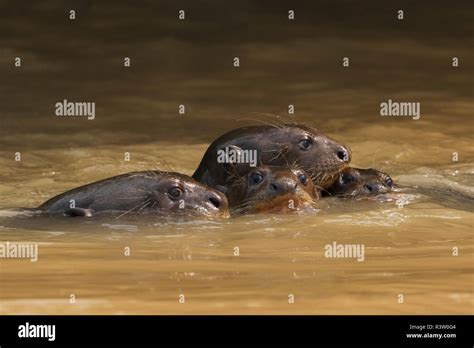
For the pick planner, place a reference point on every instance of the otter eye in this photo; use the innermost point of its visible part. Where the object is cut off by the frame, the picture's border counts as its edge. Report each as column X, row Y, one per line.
column 346, row 178
column 256, row 178
column 303, row 179
column 175, row 192
column 305, row 144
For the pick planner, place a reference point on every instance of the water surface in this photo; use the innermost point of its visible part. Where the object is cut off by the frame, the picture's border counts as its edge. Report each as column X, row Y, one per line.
column 409, row 236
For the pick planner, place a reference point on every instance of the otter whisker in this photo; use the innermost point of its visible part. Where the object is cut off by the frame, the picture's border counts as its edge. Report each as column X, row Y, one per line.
column 279, row 123
column 278, row 154
column 244, row 203
column 284, row 120
column 373, row 158
column 280, row 118
column 145, row 205
column 261, row 121
column 133, row 208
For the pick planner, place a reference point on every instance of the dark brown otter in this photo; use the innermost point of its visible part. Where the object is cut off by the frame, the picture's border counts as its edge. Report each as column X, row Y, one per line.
column 284, row 145
column 355, row 182
column 272, row 189
column 153, row 192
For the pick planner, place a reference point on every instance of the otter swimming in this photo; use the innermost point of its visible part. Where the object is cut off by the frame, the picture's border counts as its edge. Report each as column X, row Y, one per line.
column 355, row 182
column 283, row 145
column 272, row 189
column 153, row 192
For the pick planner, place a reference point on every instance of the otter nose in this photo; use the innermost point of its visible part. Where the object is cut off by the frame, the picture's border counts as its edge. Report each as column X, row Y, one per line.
column 283, row 186
column 218, row 200
column 344, row 154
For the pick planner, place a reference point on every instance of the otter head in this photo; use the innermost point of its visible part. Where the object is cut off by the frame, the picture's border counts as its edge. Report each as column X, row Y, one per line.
column 180, row 194
column 272, row 189
column 322, row 157
column 235, row 153
column 353, row 182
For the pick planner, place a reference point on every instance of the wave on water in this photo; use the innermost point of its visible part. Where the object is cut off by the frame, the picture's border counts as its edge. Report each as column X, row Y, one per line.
column 452, row 188
column 17, row 212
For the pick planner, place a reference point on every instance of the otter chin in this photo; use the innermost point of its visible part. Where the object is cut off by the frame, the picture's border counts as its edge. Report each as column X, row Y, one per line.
column 272, row 189
column 356, row 182
column 282, row 145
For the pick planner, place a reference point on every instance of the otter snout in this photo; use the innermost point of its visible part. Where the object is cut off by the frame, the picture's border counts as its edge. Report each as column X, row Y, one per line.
column 283, row 186
column 343, row 153
column 218, row 200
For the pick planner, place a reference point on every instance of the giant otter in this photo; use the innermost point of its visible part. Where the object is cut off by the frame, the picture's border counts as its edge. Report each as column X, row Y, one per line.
column 284, row 145
column 272, row 189
column 355, row 182
column 153, row 192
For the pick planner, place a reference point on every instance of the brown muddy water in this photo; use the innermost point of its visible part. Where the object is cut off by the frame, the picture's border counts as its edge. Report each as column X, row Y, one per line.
column 418, row 242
